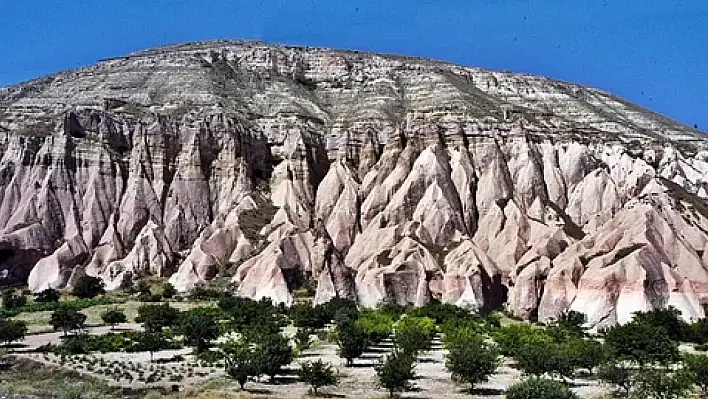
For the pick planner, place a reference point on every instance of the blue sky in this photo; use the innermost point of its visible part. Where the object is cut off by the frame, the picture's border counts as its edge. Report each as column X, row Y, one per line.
column 652, row 52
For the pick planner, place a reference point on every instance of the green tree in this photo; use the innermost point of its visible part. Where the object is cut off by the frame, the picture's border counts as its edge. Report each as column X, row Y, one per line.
column 318, row 374
column 12, row 330
column 88, row 287
column 395, row 372
column 240, row 361
column 697, row 365
column 414, row 334
column 513, row 338
column 668, row 319
column 642, row 343
column 13, row 300
column 303, row 339
column 168, row 290
column 375, row 325
column 274, row 353
column 618, row 374
column 308, row 316
column 698, row 331
column 199, row 330
column 67, row 319
column 151, row 341
column 539, row 388
column 586, row 354
column 113, row 317
column 568, row 325
column 157, row 317
column 352, row 342
column 544, row 358
column 48, row 295
column 471, row 360
column 663, row 383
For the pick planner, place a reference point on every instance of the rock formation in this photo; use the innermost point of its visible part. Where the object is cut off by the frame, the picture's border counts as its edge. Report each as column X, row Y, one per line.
column 373, row 177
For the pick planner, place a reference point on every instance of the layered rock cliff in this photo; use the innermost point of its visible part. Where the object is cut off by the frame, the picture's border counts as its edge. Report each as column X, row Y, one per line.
column 367, row 176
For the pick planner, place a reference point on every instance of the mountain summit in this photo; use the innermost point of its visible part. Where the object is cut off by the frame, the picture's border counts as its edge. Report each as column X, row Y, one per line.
column 367, row 176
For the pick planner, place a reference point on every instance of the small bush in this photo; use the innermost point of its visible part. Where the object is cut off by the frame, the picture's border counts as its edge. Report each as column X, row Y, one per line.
column 67, row 319
column 318, row 374
column 13, row 300
column 168, row 290
column 471, row 360
column 47, row 296
column 513, row 338
column 303, row 339
column 87, row 287
column 157, row 317
column 352, row 342
column 414, row 334
column 11, row 330
column 395, row 372
column 697, row 365
column 375, row 325
column 199, row 330
column 113, row 317
column 539, row 388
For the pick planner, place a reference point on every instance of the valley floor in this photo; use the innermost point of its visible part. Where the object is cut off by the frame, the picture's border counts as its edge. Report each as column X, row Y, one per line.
column 176, row 369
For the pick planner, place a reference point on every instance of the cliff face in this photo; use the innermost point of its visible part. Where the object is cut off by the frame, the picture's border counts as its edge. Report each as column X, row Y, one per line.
column 374, row 177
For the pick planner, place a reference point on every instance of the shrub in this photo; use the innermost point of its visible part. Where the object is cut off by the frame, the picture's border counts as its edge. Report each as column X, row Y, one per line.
column 352, row 342
column 470, row 359
column 539, row 388
column 414, row 334
column 393, row 310
column 341, row 307
column 318, row 374
column 662, row 383
column 395, row 372
column 13, row 300
column 443, row 312
column 152, row 341
column 568, row 325
column 584, row 354
column 245, row 314
column 698, row 332
column 11, row 330
column 240, row 361
column 168, row 290
column 302, row 339
column 544, row 358
column 87, row 287
column 668, row 319
column 201, row 293
column 48, row 296
column 199, row 330
column 113, row 317
column 67, row 319
column 307, row 316
column 641, row 343
column 512, row 338
column 157, row 317
column 143, row 288
column 375, row 325
column 274, row 352
column 618, row 374
column 697, row 365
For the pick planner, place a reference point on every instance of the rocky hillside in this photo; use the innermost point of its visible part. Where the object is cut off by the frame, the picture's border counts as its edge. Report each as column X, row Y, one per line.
column 374, row 177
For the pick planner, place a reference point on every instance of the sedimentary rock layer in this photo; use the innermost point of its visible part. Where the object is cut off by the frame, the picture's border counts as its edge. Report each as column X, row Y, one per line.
column 367, row 176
